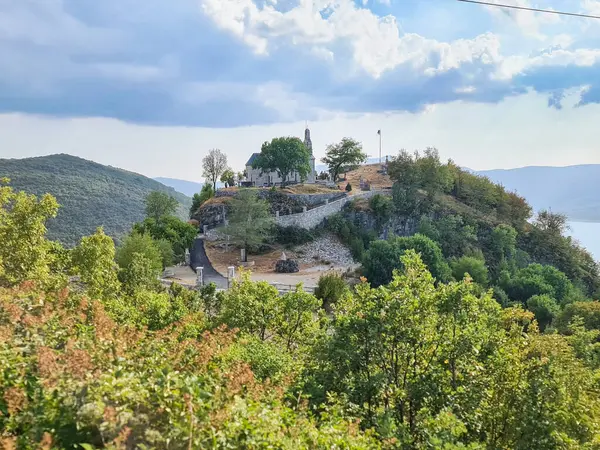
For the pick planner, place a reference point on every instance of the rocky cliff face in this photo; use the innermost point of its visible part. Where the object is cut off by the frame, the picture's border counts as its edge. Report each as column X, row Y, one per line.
column 396, row 225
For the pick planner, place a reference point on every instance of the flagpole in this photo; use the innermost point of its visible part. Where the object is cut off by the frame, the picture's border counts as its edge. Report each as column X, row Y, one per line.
column 379, row 146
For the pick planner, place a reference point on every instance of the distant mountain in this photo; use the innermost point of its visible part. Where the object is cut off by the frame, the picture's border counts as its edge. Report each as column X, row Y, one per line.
column 571, row 190
column 89, row 193
column 188, row 188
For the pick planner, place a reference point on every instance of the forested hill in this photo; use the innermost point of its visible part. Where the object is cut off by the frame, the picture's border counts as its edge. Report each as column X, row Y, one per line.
column 90, row 194
column 571, row 190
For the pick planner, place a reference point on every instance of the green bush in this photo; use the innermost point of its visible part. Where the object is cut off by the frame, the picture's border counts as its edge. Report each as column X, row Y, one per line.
column 331, row 288
column 293, row 235
column 468, row 265
column 545, row 309
column 348, row 187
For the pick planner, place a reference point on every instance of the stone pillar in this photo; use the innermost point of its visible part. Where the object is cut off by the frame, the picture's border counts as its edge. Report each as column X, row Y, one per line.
column 230, row 275
column 204, row 229
column 304, row 209
column 277, row 214
column 199, row 276
column 243, row 255
column 187, row 256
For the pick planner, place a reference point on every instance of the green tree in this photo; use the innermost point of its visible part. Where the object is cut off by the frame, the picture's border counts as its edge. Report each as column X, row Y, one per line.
column 180, row 234
column 344, row 156
column 199, row 199
column 545, row 309
column 136, row 244
column 383, row 257
column 382, row 207
column 159, row 205
column 552, row 222
column 537, row 279
column 474, row 267
column 94, row 261
column 250, row 220
column 166, row 252
column 228, row 178
column 284, row 155
column 589, row 312
column 24, row 250
column 213, row 166
column 331, row 288
column 139, row 275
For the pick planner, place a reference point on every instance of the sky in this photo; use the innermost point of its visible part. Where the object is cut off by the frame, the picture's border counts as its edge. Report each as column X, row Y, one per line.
column 152, row 85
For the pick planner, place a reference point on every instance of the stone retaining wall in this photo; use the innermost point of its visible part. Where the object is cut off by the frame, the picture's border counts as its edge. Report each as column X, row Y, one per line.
column 308, row 200
column 313, row 217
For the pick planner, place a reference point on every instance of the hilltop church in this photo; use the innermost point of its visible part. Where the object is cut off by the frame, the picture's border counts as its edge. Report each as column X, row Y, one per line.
column 255, row 177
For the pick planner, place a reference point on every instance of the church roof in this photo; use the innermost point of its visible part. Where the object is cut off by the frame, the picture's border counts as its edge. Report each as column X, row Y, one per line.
column 252, row 159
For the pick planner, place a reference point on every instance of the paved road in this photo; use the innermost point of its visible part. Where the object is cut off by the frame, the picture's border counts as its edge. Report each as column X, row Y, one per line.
column 198, row 258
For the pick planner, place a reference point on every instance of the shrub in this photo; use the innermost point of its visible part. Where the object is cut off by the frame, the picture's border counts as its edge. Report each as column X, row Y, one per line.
column 293, row 235
column 472, row 266
column 588, row 311
column 330, row 288
column 545, row 309
column 348, row 187
column 382, row 207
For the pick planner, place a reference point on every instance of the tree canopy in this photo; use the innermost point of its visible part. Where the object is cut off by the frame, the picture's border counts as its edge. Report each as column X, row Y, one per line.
column 344, row 156
column 284, row 155
column 101, row 361
column 250, row 220
column 159, row 204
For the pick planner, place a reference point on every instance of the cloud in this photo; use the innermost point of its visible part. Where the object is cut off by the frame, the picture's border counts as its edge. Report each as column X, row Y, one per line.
column 225, row 63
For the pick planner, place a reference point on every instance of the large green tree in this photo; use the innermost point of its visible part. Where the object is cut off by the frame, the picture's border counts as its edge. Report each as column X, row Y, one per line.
column 383, row 257
column 160, row 204
column 24, row 250
column 343, row 156
column 284, row 155
column 94, row 261
column 250, row 220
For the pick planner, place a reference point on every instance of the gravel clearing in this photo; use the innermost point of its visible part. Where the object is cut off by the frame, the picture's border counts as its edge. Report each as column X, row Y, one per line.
column 325, row 248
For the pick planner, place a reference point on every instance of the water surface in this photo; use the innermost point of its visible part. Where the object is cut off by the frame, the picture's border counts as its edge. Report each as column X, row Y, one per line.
column 588, row 235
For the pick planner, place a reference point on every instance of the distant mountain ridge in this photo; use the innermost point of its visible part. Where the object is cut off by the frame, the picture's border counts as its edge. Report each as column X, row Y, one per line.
column 90, row 194
column 570, row 190
column 188, row 188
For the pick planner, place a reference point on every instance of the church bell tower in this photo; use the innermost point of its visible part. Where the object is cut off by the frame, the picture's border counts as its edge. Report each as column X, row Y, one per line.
column 312, row 176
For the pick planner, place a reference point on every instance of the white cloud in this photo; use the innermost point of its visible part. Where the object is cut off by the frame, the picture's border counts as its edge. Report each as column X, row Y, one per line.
column 376, row 43
column 530, row 23
column 581, row 57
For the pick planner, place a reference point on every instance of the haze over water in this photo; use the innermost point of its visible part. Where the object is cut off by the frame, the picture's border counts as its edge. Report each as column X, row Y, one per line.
column 588, row 235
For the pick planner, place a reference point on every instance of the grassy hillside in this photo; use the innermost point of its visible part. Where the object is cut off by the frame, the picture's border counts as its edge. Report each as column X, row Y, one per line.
column 90, row 194
column 571, row 190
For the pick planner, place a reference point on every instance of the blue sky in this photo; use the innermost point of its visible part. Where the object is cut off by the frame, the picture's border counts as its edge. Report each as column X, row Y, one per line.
column 204, row 68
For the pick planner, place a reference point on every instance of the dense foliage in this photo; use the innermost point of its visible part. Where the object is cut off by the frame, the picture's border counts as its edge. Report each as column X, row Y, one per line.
column 463, row 224
column 250, row 221
column 284, row 155
column 90, row 194
column 96, row 355
column 343, row 156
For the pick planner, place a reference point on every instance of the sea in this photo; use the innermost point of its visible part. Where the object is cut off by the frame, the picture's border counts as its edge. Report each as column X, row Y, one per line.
column 588, row 235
